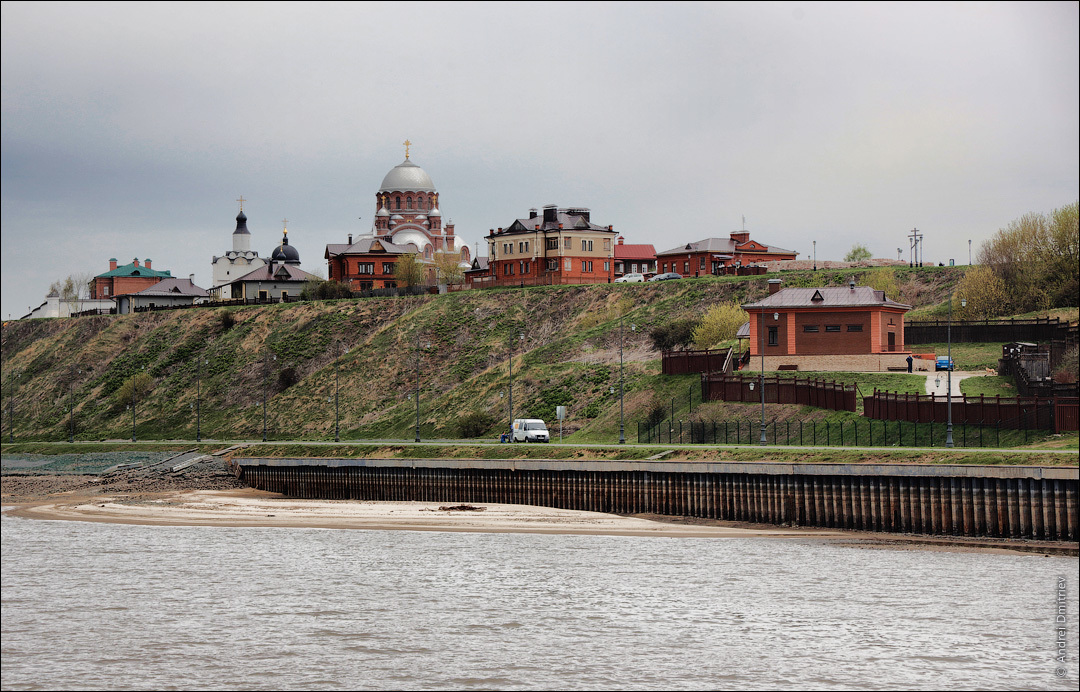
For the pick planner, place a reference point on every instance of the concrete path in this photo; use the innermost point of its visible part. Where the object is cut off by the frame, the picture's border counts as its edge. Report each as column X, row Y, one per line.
column 937, row 382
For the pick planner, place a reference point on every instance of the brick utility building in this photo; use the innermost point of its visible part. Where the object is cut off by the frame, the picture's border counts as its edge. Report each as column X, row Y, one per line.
column 853, row 328
column 125, row 279
column 634, row 258
column 713, row 255
column 407, row 221
column 559, row 246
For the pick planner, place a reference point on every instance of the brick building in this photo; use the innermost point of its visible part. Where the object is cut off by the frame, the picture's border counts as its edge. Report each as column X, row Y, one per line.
column 634, row 258
column 852, row 328
column 125, row 279
column 559, row 246
column 407, row 221
column 713, row 255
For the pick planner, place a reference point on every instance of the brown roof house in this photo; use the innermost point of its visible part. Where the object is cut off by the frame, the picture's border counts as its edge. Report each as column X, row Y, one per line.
column 717, row 255
column 164, row 294
column 848, row 328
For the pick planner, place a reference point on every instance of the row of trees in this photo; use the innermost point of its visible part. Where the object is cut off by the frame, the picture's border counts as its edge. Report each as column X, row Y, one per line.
column 1031, row 264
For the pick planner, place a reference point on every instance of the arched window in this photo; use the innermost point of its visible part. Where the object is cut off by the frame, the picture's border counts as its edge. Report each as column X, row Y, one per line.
column 427, row 252
column 408, row 202
column 420, row 202
column 398, row 201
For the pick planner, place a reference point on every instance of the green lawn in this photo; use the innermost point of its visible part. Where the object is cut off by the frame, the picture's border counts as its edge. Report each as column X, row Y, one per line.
column 989, row 385
column 973, row 356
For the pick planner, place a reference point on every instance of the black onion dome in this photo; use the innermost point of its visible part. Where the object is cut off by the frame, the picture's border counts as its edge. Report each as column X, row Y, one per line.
column 285, row 253
column 241, row 224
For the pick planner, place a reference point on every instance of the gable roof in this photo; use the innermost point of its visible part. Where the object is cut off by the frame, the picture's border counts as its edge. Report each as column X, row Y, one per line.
column 830, row 297
column 277, row 272
column 635, row 252
column 363, row 246
column 727, row 246
column 132, row 270
column 173, row 287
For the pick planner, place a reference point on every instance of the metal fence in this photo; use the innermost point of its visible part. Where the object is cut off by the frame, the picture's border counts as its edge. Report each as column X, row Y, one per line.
column 857, row 433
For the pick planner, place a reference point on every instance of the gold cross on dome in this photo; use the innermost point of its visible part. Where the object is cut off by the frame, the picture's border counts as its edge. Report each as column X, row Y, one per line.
column 407, row 144
column 241, row 201
column 284, row 225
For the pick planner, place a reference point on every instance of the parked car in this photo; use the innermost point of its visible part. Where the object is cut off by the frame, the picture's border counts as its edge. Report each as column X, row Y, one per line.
column 944, row 363
column 630, row 278
column 666, row 277
column 530, row 430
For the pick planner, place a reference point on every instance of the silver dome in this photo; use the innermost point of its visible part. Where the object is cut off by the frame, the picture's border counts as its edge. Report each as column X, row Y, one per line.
column 407, row 177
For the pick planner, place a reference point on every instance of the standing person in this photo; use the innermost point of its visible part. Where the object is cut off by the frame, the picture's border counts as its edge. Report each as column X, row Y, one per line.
column 909, row 362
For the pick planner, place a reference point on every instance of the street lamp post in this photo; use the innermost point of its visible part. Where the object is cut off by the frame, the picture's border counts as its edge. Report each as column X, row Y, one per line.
column 417, row 386
column 622, row 428
column 521, row 338
column 134, row 382
column 265, row 362
column 761, row 381
column 948, row 375
column 12, row 376
column 71, row 409
column 815, row 255
column 198, row 398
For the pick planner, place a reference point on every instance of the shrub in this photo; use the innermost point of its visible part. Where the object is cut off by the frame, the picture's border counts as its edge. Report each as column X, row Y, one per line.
column 227, row 320
column 673, row 334
column 475, row 424
column 287, row 377
column 720, row 323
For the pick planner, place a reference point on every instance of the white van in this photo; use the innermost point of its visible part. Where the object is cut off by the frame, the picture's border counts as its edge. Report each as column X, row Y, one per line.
column 530, row 430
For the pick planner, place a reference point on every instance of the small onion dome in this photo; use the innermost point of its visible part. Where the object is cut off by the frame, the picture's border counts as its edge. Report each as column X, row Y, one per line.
column 421, row 218
column 285, row 253
column 435, row 212
column 397, row 217
column 382, row 212
column 241, row 224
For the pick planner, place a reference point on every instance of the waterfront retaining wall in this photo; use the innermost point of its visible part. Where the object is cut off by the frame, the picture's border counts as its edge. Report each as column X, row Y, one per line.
column 996, row 501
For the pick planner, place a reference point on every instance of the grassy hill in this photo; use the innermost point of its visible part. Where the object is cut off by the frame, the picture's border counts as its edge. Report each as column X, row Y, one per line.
column 291, row 355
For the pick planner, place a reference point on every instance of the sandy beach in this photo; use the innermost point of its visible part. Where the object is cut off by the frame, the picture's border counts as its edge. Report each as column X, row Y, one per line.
column 247, row 507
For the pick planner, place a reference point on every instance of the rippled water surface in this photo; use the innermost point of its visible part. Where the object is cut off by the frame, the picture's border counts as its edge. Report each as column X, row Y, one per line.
column 130, row 607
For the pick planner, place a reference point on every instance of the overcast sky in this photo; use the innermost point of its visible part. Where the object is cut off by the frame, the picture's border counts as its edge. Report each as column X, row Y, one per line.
column 129, row 129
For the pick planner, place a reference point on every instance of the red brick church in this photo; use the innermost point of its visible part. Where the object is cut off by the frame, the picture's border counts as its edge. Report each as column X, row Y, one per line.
column 407, row 221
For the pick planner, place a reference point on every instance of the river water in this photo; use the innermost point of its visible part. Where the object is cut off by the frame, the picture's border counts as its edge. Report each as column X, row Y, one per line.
column 113, row 606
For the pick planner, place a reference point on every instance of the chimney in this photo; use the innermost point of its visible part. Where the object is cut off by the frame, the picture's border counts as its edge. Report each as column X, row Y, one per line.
column 350, row 239
column 774, row 286
column 191, row 279
column 851, row 283
column 533, row 213
column 146, row 263
column 112, row 263
column 551, row 213
column 620, row 240
column 135, row 261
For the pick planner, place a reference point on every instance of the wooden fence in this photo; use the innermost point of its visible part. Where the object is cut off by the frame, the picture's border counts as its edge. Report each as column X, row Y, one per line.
column 1030, row 413
column 835, row 396
column 684, row 362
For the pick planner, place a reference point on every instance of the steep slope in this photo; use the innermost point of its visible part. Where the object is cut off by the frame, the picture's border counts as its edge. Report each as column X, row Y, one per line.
column 219, row 365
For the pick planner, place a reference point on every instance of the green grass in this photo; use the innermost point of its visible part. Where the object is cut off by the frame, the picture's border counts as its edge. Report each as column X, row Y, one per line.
column 988, row 385
column 972, row 356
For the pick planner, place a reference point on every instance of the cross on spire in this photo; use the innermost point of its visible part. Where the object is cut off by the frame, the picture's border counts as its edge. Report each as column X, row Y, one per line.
column 407, row 144
column 285, row 226
column 241, row 200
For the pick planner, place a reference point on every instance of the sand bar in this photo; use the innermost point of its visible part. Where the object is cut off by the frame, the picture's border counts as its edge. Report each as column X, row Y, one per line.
column 248, row 507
